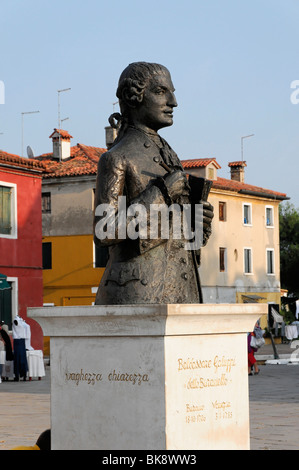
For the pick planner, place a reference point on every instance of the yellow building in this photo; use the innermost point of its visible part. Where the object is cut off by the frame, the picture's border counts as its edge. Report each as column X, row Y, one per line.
column 73, row 276
column 241, row 262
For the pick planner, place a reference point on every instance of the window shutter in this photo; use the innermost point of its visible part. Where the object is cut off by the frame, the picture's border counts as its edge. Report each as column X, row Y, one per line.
column 222, row 215
column 5, row 210
column 270, row 262
column 247, row 261
column 222, row 259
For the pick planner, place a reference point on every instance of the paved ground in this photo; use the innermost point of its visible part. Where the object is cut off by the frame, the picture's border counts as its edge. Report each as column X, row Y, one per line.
column 24, row 411
column 273, row 394
column 274, row 400
column 274, row 408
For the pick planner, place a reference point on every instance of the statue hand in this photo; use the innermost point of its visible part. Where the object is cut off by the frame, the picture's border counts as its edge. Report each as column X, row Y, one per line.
column 177, row 185
column 208, row 214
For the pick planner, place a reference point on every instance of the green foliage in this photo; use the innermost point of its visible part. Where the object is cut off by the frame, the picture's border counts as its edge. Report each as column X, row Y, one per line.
column 288, row 315
column 289, row 247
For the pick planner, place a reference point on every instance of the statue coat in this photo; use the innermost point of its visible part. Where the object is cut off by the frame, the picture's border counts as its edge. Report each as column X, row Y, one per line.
column 142, row 270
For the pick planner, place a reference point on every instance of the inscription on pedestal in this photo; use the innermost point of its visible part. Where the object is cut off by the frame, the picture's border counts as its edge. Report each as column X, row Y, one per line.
column 208, row 376
column 219, row 376
column 91, row 378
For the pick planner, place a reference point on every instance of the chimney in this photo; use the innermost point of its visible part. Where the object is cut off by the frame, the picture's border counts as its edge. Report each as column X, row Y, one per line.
column 61, row 144
column 237, row 171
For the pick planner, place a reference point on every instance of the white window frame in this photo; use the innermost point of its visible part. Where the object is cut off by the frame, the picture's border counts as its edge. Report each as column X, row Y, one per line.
column 93, row 255
column 271, row 250
column 271, row 225
column 13, row 211
column 251, row 261
column 248, row 223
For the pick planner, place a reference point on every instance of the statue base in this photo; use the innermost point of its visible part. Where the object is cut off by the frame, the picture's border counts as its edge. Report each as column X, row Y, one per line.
column 149, row 377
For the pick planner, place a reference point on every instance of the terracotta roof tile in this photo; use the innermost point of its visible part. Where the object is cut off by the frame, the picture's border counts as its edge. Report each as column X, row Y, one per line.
column 199, row 162
column 231, row 185
column 238, row 186
column 63, row 134
column 239, row 163
column 17, row 161
column 83, row 161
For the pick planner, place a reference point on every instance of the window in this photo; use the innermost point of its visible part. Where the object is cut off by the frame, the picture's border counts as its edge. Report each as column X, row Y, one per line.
column 9, row 302
column 247, row 261
column 270, row 261
column 269, row 216
column 6, row 306
column 222, row 259
column 46, row 203
column 222, row 211
column 247, row 217
column 8, row 210
column 101, row 255
column 47, row 255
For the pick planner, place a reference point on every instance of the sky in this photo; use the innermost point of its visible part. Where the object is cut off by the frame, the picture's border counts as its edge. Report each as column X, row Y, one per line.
column 233, row 64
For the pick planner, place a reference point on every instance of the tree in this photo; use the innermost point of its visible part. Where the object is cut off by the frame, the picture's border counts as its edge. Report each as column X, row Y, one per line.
column 289, row 248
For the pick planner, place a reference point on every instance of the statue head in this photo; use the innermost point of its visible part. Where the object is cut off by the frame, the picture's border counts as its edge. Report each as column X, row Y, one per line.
column 146, row 95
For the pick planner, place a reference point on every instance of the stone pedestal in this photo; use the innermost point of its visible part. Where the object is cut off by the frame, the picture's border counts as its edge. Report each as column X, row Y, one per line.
column 150, row 377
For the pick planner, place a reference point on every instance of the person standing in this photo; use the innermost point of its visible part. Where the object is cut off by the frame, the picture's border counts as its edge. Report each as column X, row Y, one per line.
column 257, row 333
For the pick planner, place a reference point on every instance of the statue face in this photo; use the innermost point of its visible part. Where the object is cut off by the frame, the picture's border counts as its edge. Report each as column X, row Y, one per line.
column 156, row 109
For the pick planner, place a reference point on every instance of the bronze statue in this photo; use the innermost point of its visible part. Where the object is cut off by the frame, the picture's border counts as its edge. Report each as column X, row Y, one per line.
column 141, row 170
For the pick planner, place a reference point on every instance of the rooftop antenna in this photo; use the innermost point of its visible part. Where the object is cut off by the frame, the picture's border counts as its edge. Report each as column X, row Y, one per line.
column 59, row 121
column 114, row 104
column 242, row 138
column 27, row 112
